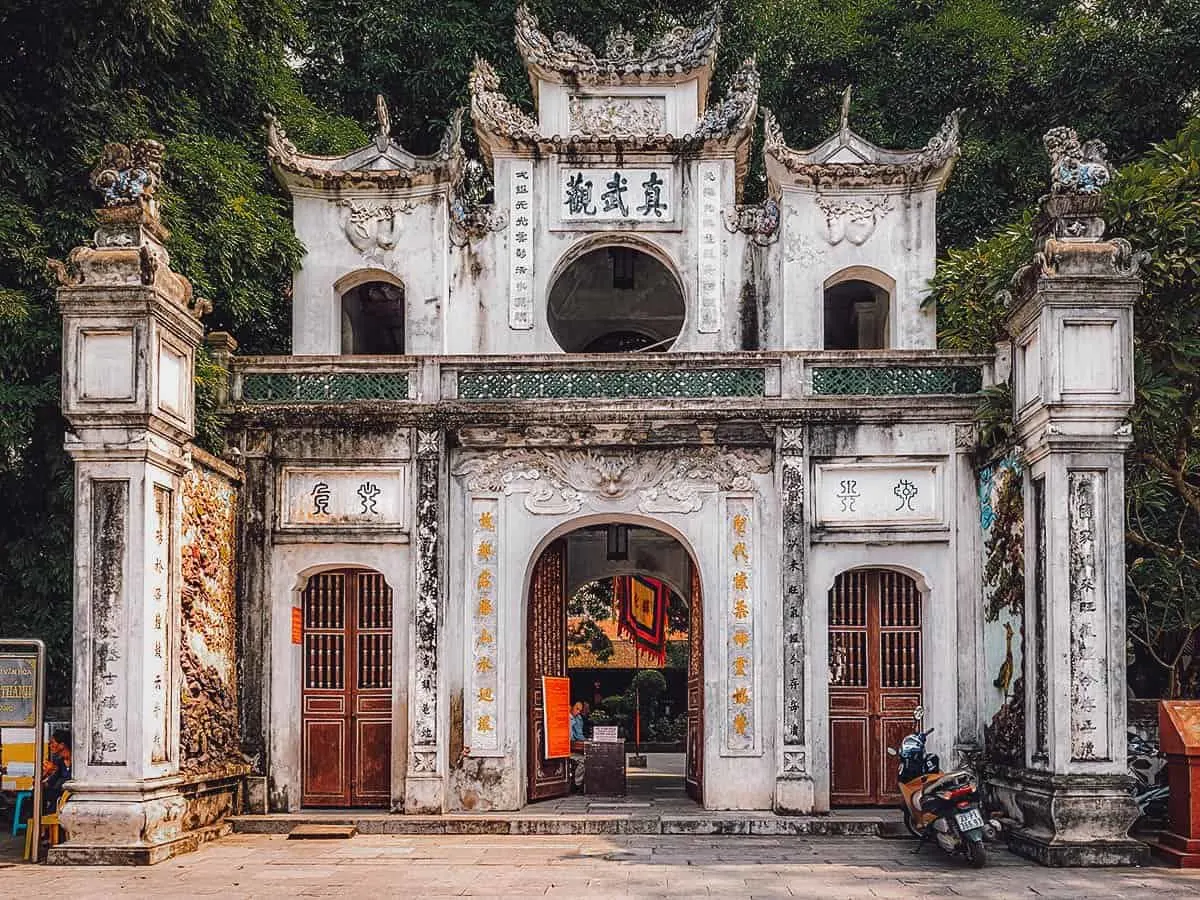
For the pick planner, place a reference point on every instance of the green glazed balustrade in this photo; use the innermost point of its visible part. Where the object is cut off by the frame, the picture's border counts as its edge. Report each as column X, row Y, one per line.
column 308, row 387
column 611, row 384
column 892, row 380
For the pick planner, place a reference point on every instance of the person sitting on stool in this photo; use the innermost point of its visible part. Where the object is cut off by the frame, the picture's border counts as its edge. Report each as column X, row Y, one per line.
column 577, row 739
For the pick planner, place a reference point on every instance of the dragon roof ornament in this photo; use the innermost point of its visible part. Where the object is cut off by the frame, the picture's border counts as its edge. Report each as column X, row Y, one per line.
column 680, row 50
column 848, row 160
column 382, row 163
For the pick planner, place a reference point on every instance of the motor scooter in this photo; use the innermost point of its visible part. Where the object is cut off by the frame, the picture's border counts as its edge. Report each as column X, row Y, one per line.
column 937, row 805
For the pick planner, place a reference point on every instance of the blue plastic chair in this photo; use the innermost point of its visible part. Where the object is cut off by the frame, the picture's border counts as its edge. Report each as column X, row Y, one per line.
column 18, row 822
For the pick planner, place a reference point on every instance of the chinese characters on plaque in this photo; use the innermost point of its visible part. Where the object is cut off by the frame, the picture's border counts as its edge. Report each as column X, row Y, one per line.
column 520, row 245
column 1089, row 637
column 483, row 577
column 905, row 494
column 708, row 250
column 741, row 557
column 330, row 496
column 616, row 195
column 158, row 583
column 109, row 625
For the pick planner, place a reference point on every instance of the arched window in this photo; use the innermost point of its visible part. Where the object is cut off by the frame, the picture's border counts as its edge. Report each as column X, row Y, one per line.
column 616, row 300
column 857, row 306
column 373, row 318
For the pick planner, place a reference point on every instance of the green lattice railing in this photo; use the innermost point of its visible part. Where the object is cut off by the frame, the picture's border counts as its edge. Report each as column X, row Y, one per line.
column 884, row 380
column 314, row 387
column 611, row 384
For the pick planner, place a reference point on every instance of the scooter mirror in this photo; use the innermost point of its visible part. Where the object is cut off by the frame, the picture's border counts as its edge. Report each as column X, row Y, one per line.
column 918, row 714
column 891, row 751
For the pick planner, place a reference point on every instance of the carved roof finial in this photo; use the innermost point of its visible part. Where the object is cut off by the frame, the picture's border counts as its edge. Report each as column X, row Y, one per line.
column 383, row 135
column 845, row 122
column 1075, row 168
column 129, row 175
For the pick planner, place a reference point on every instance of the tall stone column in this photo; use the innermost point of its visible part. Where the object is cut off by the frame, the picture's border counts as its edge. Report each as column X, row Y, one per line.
column 130, row 331
column 1072, row 325
column 424, row 786
column 794, row 792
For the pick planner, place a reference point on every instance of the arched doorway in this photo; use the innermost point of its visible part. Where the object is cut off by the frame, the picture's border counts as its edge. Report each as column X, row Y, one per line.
column 653, row 584
column 346, row 689
column 857, row 309
column 616, row 299
column 875, row 681
column 372, row 314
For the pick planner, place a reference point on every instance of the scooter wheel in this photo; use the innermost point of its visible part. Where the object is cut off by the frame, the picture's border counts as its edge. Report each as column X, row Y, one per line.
column 908, row 822
column 976, row 854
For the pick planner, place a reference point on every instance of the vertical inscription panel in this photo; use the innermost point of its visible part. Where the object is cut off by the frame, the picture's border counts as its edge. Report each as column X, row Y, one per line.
column 158, row 654
column 1089, row 631
column 483, row 613
column 793, row 597
column 708, row 250
column 740, row 561
column 520, row 245
column 109, row 623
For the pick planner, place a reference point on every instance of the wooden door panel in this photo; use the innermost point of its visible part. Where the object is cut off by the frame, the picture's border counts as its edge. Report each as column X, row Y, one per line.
column 324, row 777
column 849, row 743
column 547, row 643
column 694, row 768
column 373, row 778
column 346, row 696
column 875, row 674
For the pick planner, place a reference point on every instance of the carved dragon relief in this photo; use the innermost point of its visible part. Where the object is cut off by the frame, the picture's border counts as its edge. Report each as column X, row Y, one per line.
column 558, row 482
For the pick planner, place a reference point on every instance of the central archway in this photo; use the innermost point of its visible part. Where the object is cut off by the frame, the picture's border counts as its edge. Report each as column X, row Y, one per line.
column 607, row 613
column 616, row 298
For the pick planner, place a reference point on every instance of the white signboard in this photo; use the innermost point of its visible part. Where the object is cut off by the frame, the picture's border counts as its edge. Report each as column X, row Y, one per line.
column 900, row 494
column 708, row 249
column 520, row 246
column 328, row 496
column 605, row 734
column 617, row 194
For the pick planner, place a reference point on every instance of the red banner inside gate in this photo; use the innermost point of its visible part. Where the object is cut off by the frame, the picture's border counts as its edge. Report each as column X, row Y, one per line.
column 642, row 612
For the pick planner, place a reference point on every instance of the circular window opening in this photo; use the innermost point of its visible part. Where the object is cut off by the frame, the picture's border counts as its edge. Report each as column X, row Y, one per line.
column 616, row 300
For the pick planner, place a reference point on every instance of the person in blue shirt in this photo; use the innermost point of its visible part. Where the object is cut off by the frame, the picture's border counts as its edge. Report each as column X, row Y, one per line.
column 577, row 737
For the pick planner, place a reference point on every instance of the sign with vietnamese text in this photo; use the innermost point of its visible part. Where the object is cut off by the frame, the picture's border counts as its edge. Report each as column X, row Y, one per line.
column 18, row 690
column 557, row 712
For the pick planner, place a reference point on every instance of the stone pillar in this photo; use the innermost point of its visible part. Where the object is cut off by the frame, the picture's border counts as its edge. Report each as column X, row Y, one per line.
column 130, row 332
column 424, row 788
column 794, row 784
column 1071, row 320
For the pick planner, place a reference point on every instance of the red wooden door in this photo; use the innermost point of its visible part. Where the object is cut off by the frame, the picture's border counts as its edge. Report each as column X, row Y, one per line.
column 694, row 779
column 547, row 656
column 346, row 701
column 874, row 681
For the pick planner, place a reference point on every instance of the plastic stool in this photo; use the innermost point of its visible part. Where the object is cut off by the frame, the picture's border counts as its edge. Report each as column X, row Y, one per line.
column 18, row 822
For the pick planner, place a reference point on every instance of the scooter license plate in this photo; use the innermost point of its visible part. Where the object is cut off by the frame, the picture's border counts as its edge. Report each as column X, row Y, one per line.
column 968, row 820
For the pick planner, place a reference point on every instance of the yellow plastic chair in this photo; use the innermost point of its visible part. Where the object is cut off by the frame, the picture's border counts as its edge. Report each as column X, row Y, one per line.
column 49, row 826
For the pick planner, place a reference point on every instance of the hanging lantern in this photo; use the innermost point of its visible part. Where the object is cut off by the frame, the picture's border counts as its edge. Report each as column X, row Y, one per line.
column 618, row 543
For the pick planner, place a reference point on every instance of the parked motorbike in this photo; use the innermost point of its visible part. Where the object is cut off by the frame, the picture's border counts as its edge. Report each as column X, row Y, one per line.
column 1148, row 768
column 940, row 806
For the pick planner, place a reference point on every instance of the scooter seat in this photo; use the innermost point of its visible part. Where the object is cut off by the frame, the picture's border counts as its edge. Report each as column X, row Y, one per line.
column 949, row 780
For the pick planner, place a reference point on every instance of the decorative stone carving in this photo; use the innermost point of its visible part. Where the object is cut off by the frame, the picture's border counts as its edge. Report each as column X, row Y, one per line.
column 760, row 221
column 370, row 226
column 210, row 735
column 493, row 111
column 470, row 217
column 798, row 247
column 428, row 600
column 128, row 175
column 679, row 50
column 557, row 482
column 852, row 218
column 738, row 109
column 794, row 762
column 1075, row 168
column 966, row 436
column 618, row 116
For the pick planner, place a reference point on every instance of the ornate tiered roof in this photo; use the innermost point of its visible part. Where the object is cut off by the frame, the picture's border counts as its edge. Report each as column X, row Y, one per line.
column 848, row 160
column 382, row 163
column 680, row 54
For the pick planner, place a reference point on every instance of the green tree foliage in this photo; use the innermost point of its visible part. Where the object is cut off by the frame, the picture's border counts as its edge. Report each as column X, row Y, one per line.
column 1152, row 204
column 199, row 77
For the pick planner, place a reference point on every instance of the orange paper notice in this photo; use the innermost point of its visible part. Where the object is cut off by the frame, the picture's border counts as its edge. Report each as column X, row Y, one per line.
column 297, row 625
column 557, row 722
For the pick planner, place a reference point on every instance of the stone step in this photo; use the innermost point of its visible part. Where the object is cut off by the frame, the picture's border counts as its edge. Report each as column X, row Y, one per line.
column 567, row 824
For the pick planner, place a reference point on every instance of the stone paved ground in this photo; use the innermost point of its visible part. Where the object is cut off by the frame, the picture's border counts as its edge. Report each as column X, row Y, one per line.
column 377, row 866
